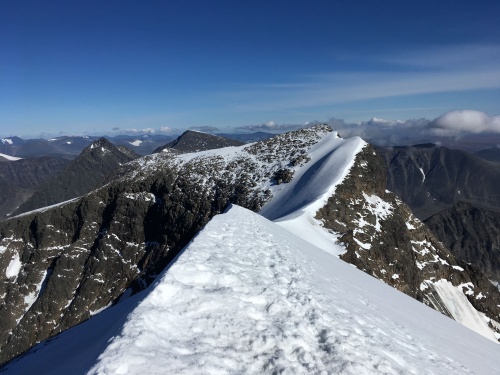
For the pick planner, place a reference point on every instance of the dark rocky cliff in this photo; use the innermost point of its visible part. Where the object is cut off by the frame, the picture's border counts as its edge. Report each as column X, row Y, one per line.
column 472, row 235
column 431, row 178
column 385, row 240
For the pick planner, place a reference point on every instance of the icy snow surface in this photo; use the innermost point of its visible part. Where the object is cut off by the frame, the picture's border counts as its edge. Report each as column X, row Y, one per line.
column 246, row 296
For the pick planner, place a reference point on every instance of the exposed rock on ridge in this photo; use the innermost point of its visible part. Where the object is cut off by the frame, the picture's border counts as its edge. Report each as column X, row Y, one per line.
column 384, row 239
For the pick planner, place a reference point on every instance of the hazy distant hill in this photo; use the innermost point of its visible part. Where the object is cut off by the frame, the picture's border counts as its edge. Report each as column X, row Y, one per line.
column 19, row 179
column 491, row 154
column 69, row 147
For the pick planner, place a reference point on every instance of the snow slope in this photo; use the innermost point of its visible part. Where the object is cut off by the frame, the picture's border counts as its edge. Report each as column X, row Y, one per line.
column 246, row 296
column 9, row 157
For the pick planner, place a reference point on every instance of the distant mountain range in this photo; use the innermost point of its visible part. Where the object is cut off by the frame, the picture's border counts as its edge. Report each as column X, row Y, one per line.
column 472, row 234
column 491, row 154
column 69, row 147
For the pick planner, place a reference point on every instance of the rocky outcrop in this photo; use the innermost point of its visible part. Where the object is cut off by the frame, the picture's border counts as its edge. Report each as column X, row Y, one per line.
column 88, row 171
column 472, row 235
column 61, row 265
column 430, row 178
column 384, row 239
column 193, row 141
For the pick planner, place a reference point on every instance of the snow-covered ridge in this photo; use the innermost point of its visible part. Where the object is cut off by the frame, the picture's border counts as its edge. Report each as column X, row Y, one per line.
column 257, row 164
column 246, row 296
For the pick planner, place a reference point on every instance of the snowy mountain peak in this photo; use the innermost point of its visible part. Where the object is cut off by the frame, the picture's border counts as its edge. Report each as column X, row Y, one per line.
column 101, row 144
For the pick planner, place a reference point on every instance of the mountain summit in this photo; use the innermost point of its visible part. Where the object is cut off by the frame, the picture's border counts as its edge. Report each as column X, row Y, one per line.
column 193, row 141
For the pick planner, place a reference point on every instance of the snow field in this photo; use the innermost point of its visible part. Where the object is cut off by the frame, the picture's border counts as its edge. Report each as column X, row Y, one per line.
column 247, row 297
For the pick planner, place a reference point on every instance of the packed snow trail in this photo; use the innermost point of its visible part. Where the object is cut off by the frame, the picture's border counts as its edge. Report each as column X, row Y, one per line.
column 248, row 297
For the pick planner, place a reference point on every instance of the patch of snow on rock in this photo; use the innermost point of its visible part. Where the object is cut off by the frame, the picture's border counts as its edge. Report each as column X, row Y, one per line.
column 9, row 157
column 14, row 267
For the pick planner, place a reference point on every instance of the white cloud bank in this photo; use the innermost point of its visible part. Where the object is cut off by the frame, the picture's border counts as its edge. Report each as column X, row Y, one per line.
column 451, row 125
column 466, row 121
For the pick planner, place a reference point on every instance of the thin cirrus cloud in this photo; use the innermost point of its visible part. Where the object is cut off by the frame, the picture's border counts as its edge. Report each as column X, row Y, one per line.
column 433, row 70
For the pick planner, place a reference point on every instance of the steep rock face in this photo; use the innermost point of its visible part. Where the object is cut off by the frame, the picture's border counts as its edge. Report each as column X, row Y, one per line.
column 430, row 178
column 472, row 235
column 87, row 172
column 19, row 179
column 192, row 141
column 60, row 265
column 384, row 239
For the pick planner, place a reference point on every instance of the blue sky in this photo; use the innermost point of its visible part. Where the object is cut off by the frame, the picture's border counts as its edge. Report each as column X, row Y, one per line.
column 94, row 66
